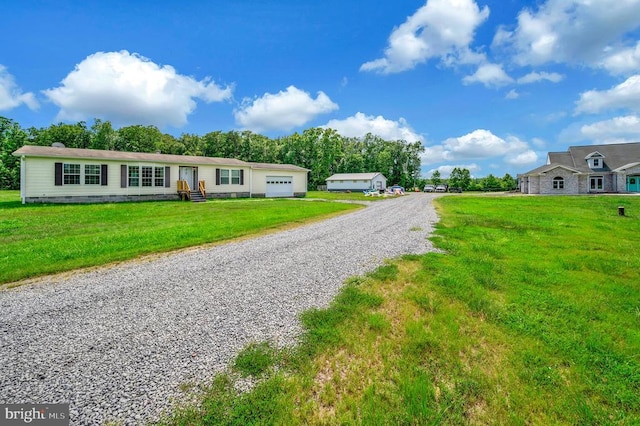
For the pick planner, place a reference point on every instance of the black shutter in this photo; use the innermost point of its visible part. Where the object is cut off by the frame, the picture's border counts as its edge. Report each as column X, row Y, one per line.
column 217, row 176
column 103, row 175
column 167, row 177
column 123, row 176
column 58, row 177
column 241, row 176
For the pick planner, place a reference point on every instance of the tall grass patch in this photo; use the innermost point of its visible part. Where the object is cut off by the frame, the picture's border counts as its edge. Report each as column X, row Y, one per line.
column 532, row 316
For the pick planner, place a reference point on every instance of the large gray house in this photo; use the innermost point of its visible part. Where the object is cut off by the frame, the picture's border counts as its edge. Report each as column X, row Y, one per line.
column 586, row 170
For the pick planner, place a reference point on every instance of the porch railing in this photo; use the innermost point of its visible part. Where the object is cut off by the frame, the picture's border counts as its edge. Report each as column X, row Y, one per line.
column 184, row 190
column 202, row 189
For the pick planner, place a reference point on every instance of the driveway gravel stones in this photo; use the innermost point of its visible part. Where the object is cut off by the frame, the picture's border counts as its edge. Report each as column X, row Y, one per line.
column 116, row 343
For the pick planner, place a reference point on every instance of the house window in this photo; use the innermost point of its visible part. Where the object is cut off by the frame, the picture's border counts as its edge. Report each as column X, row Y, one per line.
column 235, row 177
column 134, row 176
column 596, row 162
column 71, row 174
column 558, row 182
column 159, row 176
column 92, row 174
column 147, row 176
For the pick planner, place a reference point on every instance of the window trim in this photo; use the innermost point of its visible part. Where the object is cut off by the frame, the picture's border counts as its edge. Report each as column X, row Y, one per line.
column 92, row 172
column 133, row 179
column 225, row 177
column 158, row 178
column 67, row 174
column 229, row 176
column 146, row 176
column 558, row 182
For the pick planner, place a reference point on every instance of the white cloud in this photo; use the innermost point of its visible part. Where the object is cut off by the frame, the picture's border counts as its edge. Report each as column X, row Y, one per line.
column 521, row 158
column 623, row 61
column 534, row 77
column 539, row 143
column 480, row 144
column 361, row 124
column 615, row 130
column 10, row 94
column 477, row 144
column 439, row 29
column 625, row 95
column 489, row 75
column 571, row 31
column 127, row 88
column 512, row 95
column 283, row 110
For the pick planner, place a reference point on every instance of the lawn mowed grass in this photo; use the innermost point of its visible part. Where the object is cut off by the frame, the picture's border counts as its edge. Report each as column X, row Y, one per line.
column 44, row 239
column 532, row 316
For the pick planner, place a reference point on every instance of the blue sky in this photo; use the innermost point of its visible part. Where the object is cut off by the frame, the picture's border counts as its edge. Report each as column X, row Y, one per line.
column 491, row 86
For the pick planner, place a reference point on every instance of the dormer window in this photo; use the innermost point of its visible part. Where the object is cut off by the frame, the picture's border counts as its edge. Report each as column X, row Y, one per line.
column 595, row 160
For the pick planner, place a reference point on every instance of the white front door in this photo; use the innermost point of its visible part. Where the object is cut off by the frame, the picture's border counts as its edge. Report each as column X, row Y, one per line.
column 188, row 174
column 279, row 186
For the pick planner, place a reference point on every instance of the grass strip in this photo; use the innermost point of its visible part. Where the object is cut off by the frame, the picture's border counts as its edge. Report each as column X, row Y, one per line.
column 44, row 238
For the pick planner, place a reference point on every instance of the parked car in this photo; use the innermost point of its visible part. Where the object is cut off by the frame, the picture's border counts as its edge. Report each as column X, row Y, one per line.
column 429, row 188
column 441, row 188
column 455, row 189
column 396, row 189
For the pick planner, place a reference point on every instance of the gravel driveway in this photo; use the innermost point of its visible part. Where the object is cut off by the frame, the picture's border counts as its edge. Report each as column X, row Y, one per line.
column 117, row 342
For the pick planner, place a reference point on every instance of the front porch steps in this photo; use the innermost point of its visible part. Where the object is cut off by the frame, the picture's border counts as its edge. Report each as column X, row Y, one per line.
column 196, row 197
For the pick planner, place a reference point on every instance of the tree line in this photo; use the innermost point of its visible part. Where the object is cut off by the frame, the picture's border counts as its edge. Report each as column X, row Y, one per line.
column 323, row 151
column 461, row 178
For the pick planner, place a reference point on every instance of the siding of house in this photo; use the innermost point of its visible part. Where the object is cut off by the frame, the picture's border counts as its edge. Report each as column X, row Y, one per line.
column 571, row 183
column 531, row 185
column 39, row 183
column 220, row 190
column 381, row 179
column 349, row 185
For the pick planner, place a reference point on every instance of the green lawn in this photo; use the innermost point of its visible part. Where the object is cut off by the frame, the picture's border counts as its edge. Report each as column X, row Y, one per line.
column 531, row 317
column 43, row 239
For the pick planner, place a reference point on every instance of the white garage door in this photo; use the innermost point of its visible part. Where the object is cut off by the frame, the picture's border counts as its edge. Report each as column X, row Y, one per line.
column 279, row 186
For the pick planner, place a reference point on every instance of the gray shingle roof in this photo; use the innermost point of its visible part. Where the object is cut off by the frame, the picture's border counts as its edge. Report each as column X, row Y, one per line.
column 615, row 156
column 353, row 176
column 96, row 154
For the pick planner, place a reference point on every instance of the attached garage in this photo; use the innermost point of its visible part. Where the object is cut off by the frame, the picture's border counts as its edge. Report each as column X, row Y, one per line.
column 278, row 180
column 279, row 186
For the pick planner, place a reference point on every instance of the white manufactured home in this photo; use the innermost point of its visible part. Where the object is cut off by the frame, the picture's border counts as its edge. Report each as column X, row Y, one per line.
column 356, row 182
column 72, row 175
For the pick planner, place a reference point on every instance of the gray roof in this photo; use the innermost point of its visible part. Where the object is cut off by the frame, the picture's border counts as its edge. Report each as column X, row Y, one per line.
column 97, row 154
column 273, row 166
column 615, row 156
column 354, row 176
